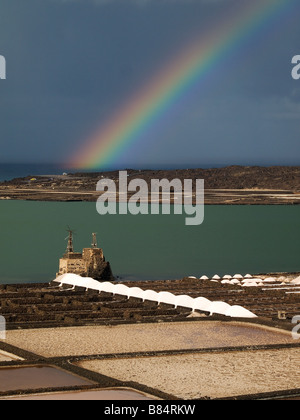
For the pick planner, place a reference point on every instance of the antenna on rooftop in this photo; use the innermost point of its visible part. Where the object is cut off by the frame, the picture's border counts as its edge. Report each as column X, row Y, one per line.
column 94, row 241
column 70, row 247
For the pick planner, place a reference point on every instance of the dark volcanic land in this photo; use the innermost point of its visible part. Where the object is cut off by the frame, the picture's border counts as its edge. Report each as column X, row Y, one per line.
column 229, row 185
column 47, row 305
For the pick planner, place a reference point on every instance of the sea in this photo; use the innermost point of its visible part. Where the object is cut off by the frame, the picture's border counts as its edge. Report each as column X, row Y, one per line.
column 232, row 239
column 10, row 171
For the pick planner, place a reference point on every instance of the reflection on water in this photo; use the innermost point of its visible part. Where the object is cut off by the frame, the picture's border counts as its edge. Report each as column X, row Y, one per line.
column 36, row 377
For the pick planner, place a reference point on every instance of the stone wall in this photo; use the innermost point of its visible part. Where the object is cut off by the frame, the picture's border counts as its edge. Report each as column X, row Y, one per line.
column 72, row 265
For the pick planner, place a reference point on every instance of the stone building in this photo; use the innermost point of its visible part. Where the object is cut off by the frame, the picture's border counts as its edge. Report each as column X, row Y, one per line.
column 90, row 263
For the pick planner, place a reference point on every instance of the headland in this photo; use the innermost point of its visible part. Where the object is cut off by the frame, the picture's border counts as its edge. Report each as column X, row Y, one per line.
column 248, row 185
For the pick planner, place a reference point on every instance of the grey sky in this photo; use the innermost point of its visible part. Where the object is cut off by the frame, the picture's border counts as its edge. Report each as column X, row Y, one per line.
column 71, row 63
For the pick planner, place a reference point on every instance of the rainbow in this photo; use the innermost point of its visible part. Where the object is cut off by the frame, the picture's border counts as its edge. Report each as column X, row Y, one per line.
column 175, row 79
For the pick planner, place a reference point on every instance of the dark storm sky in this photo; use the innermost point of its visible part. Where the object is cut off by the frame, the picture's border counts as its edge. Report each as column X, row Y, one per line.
column 71, row 63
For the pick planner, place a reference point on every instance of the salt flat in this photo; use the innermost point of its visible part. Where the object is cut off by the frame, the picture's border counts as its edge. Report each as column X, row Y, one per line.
column 130, row 338
column 213, row 375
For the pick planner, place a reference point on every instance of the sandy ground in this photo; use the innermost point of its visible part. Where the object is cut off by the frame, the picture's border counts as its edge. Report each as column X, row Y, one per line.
column 213, row 375
column 142, row 337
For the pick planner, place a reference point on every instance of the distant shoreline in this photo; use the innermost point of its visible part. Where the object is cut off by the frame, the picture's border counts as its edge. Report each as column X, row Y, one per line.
column 233, row 185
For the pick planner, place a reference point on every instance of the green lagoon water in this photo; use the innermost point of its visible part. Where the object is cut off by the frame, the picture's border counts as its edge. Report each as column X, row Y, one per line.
column 232, row 239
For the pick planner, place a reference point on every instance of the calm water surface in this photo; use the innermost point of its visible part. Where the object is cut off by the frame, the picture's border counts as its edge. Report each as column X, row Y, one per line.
column 232, row 239
column 10, row 171
column 34, row 377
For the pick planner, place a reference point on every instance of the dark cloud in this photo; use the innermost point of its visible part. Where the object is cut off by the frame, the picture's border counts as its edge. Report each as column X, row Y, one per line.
column 70, row 65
